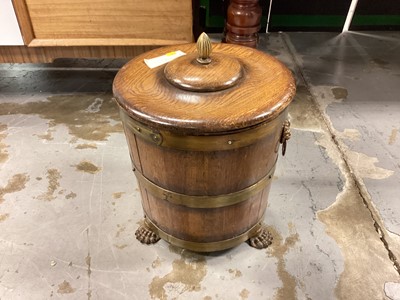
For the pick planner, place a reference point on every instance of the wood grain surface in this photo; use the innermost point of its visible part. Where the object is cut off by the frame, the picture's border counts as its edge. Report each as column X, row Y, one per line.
column 221, row 73
column 22, row 54
column 205, row 225
column 262, row 94
column 243, row 19
column 205, row 173
column 131, row 19
column 265, row 90
column 102, row 42
column 24, row 20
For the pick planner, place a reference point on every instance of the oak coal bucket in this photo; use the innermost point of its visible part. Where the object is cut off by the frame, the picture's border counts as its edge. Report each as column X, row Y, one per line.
column 204, row 132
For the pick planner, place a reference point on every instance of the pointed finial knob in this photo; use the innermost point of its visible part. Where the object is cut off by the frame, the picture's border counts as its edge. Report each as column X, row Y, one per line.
column 204, row 49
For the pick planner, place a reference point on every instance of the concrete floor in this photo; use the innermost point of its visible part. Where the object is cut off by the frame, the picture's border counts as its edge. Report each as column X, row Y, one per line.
column 69, row 203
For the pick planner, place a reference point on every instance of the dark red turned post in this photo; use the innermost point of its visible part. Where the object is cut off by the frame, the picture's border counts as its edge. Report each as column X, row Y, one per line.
column 243, row 22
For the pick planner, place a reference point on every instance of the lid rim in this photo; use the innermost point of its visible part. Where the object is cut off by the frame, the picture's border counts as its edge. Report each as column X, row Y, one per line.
column 203, row 128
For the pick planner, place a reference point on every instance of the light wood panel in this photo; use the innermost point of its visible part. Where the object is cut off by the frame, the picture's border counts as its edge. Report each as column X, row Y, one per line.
column 18, row 54
column 101, row 42
column 24, row 20
column 118, row 19
column 97, row 29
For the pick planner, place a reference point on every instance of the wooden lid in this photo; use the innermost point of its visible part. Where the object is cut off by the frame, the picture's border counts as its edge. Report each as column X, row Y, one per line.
column 251, row 88
column 201, row 73
column 221, row 73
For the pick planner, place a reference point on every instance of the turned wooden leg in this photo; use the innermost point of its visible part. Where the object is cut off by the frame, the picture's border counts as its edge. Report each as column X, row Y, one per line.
column 243, row 22
column 261, row 240
column 146, row 235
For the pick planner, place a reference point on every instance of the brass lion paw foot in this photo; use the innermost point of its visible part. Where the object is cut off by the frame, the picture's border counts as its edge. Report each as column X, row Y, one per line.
column 262, row 240
column 146, row 236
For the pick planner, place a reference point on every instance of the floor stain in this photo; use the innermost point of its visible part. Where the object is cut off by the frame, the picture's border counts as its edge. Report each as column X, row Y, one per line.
column 95, row 106
column 88, row 260
column 71, row 195
column 48, row 136
column 186, row 275
column 65, row 288
column 349, row 134
column 121, row 246
column 87, row 167
column 303, row 112
column 380, row 62
column 354, row 235
column 244, row 294
column 279, row 249
column 364, row 166
column 207, row 298
column 53, row 176
column 3, row 217
column 156, row 263
column 235, row 272
column 326, row 96
column 120, row 230
column 392, row 137
column 84, row 116
column 117, row 195
column 3, row 146
column 15, row 184
column 348, row 220
column 86, row 146
column 339, row 93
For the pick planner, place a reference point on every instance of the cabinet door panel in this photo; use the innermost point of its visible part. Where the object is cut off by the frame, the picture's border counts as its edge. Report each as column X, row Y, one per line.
column 98, row 20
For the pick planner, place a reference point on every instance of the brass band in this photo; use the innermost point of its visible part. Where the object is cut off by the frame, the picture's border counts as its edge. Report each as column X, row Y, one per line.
column 203, row 201
column 223, row 141
column 140, row 129
column 206, row 247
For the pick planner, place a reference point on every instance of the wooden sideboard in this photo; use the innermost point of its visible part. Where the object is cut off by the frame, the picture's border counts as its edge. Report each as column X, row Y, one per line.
column 97, row 28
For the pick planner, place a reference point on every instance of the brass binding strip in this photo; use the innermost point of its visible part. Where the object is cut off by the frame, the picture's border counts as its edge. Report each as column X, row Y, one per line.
column 203, row 201
column 206, row 247
column 222, row 141
column 140, row 129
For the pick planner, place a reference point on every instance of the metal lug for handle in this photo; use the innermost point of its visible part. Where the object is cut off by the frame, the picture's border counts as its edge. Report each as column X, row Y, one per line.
column 285, row 136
